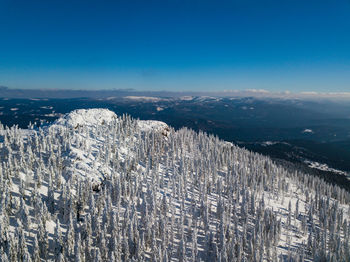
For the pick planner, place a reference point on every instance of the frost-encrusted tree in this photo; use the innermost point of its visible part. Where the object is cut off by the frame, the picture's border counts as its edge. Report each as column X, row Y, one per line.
column 36, row 250
column 43, row 240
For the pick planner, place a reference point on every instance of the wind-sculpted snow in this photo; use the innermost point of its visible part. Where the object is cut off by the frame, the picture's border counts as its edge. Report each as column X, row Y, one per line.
column 97, row 187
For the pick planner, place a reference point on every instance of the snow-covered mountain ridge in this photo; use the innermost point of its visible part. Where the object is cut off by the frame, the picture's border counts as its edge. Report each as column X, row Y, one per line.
column 93, row 186
column 92, row 126
column 86, row 117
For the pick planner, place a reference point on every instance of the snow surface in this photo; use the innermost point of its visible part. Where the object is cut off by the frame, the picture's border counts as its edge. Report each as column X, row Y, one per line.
column 324, row 167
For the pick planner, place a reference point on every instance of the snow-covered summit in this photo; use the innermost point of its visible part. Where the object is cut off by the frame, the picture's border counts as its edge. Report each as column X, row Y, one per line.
column 100, row 116
column 90, row 129
column 86, row 117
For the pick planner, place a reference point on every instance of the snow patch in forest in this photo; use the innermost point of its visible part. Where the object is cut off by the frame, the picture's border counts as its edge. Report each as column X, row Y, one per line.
column 324, row 167
column 149, row 125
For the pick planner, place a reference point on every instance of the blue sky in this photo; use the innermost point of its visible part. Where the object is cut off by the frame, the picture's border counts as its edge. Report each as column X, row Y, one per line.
column 176, row 45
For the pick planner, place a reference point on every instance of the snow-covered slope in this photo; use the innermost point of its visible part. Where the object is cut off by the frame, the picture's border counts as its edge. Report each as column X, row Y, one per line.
column 93, row 186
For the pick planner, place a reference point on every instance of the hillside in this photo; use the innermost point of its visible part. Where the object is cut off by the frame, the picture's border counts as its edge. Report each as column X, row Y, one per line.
column 93, row 186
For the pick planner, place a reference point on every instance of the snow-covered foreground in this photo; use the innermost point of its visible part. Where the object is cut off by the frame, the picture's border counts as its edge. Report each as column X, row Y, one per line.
column 96, row 187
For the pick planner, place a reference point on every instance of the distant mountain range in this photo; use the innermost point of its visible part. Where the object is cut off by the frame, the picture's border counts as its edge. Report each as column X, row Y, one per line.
column 6, row 92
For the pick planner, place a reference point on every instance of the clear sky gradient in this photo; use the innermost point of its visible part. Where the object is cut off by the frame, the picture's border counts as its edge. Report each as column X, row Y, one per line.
column 176, row 45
